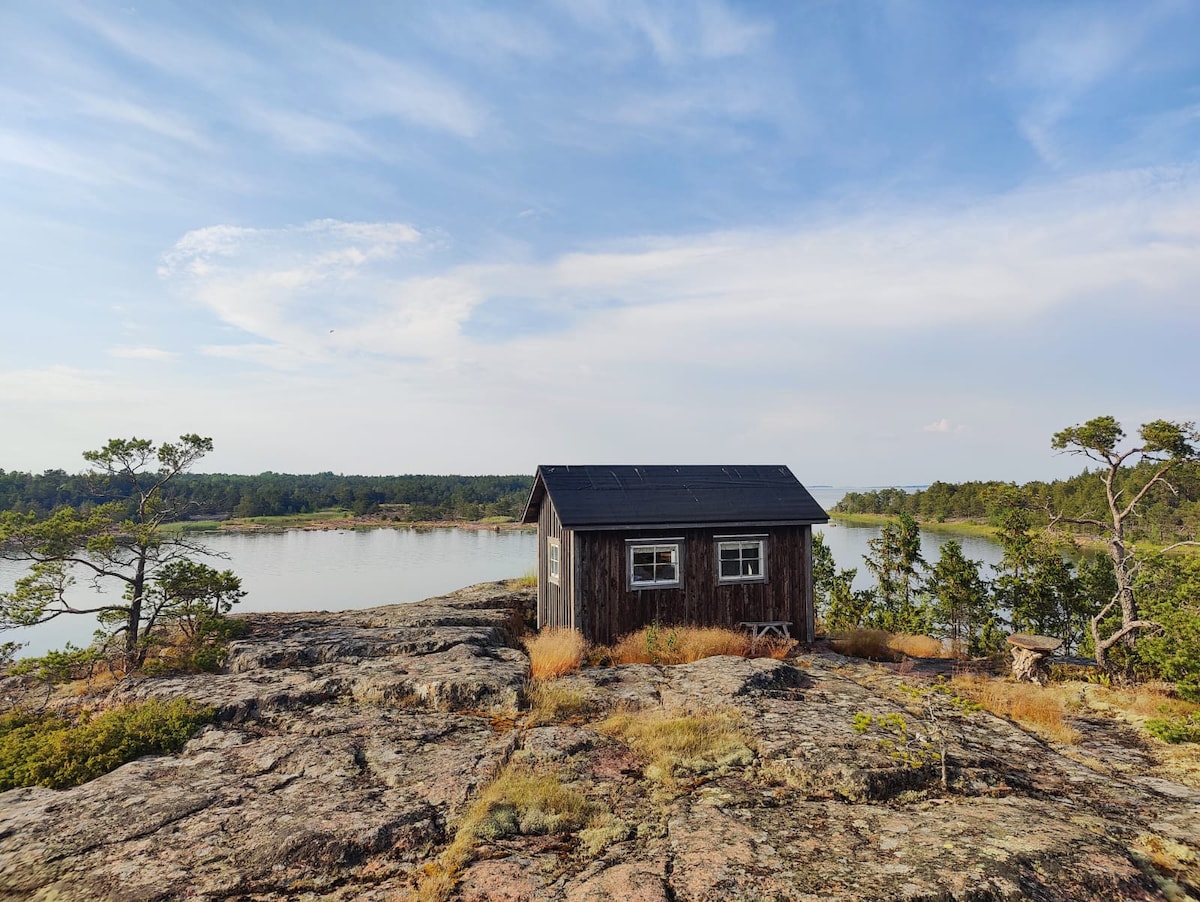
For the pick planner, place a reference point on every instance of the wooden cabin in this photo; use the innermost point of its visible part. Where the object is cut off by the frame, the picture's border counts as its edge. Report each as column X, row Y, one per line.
column 622, row 547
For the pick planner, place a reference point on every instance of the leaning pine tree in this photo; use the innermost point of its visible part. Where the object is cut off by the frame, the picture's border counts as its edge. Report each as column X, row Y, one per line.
column 121, row 541
column 1165, row 445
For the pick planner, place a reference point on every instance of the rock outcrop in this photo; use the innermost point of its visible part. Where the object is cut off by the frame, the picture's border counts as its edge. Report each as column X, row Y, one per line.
column 348, row 746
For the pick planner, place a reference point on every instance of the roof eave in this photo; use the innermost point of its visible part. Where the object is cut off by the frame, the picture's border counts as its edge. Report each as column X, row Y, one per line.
column 534, row 504
column 718, row 524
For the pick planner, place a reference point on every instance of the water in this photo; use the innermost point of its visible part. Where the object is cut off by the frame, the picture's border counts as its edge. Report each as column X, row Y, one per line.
column 301, row 570
column 849, row 543
column 333, row 570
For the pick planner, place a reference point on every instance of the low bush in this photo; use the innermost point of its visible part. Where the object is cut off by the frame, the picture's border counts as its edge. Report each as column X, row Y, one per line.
column 1175, row 729
column 48, row 750
column 202, row 649
column 555, row 651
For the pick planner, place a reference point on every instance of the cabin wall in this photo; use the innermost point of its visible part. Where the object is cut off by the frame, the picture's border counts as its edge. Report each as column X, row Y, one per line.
column 556, row 606
column 608, row 609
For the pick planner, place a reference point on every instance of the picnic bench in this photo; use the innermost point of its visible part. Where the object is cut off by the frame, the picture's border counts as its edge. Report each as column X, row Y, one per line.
column 1029, row 656
column 759, row 629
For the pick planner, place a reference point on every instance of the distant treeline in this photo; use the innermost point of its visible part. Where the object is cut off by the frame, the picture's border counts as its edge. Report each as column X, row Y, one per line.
column 1164, row 515
column 218, row 495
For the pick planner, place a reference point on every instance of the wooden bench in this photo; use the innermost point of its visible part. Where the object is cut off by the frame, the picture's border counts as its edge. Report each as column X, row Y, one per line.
column 759, row 629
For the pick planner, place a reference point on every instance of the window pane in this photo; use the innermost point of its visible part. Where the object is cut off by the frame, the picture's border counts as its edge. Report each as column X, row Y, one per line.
column 643, row 557
column 666, row 573
column 750, row 568
column 729, row 568
column 666, row 556
column 643, row 573
column 728, row 554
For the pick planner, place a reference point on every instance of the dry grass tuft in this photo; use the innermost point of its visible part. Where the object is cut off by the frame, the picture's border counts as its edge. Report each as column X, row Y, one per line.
column 1040, row 710
column 555, row 651
column 552, row 703
column 682, row 744
column 869, row 644
column 917, row 646
column 678, row 645
column 517, row 802
column 527, row 580
column 880, row 645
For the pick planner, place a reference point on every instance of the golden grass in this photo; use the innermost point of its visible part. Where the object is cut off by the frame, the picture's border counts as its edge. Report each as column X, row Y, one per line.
column 678, row 645
column 552, row 703
column 527, row 580
column 1041, row 710
column 517, row 802
column 555, row 651
column 880, row 645
column 917, row 646
column 680, row 744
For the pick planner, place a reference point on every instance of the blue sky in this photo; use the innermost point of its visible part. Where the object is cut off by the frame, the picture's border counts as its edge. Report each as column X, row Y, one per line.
column 882, row 242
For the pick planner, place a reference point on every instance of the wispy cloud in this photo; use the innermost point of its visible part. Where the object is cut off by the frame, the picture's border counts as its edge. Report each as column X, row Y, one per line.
column 1069, row 52
column 336, row 289
column 675, row 33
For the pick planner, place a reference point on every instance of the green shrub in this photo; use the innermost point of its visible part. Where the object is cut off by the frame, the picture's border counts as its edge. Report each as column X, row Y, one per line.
column 1173, row 730
column 48, row 750
column 60, row 666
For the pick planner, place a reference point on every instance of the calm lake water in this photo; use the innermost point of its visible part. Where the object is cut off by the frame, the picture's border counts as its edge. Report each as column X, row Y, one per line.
column 339, row 569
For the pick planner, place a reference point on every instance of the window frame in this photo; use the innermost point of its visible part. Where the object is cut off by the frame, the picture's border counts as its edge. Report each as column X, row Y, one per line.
column 554, row 560
column 741, row 540
column 657, row 544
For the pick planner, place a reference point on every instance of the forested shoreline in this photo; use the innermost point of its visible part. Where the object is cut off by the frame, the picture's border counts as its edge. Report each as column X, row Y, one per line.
column 203, row 496
column 1169, row 513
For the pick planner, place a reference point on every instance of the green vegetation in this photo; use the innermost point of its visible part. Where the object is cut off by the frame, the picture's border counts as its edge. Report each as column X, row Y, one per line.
column 1176, row 729
column 684, row 745
column 975, row 508
column 118, row 537
column 517, row 802
column 208, row 498
column 1135, row 609
column 47, row 750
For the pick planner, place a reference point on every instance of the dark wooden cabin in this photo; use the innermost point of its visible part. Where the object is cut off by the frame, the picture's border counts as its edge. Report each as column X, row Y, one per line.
column 621, row 547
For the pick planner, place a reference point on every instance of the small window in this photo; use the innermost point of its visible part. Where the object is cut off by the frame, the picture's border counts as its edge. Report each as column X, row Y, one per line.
column 741, row 560
column 653, row 566
column 554, row 559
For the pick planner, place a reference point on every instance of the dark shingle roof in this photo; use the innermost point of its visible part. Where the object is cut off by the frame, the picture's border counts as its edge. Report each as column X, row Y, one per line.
column 613, row 496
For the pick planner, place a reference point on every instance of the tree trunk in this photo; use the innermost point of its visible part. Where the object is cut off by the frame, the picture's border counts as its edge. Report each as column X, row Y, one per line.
column 134, row 653
column 1029, row 665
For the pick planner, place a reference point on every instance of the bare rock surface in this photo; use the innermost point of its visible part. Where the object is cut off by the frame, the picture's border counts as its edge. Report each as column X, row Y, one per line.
column 350, row 745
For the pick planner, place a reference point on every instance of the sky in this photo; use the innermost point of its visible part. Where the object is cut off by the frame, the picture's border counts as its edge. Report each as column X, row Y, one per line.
column 879, row 242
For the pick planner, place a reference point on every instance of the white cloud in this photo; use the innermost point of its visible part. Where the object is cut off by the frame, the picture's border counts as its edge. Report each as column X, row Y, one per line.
column 944, row 425
column 1000, row 261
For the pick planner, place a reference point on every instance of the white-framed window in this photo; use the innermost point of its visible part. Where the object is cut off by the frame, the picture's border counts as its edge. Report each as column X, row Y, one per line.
column 654, row 564
column 553, row 559
column 741, row 559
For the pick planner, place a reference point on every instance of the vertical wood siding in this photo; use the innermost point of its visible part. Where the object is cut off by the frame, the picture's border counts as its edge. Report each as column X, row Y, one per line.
column 553, row 601
column 608, row 609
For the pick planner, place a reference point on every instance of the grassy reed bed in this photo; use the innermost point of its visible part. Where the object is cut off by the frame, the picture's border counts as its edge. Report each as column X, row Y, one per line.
column 1040, row 710
column 685, row 644
column 880, row 645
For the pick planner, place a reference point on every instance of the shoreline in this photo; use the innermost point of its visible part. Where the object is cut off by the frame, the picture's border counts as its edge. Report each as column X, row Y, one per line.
column 314, row 523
